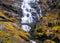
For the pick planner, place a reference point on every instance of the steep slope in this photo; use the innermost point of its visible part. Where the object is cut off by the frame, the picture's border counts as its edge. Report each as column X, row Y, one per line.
column 10, row 31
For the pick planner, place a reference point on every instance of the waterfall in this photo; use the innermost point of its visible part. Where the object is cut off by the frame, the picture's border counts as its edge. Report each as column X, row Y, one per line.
column 30, row 14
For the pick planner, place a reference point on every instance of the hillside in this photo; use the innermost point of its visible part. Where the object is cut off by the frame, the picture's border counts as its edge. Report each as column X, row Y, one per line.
column 46, row 31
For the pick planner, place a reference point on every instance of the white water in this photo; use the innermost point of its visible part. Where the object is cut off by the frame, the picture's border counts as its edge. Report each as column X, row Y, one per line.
column 27, row 17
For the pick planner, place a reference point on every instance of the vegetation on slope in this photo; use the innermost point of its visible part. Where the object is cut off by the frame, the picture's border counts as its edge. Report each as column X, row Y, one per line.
column 10, row 31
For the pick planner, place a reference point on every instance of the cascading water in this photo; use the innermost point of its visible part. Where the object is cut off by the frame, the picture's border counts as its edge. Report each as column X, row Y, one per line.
column 30, row 14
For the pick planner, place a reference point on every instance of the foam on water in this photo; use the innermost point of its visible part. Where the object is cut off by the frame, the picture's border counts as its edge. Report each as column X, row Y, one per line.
column 28, row 17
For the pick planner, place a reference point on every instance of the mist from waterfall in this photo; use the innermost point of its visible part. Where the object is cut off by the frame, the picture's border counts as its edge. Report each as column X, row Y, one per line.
column 30, row 14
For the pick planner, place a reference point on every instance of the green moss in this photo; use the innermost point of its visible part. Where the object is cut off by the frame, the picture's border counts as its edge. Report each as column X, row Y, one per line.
column 58, row 3
column 9, row 38
column 2, row 40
